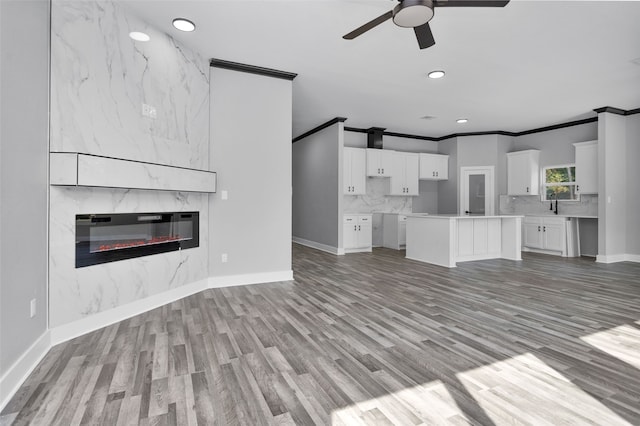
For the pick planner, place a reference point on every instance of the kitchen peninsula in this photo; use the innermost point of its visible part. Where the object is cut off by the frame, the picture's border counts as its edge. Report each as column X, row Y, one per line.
column 446, row 239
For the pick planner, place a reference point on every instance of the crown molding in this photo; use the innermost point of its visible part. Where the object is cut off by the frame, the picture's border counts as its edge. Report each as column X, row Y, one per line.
column 608, row 109
column 252, row 69
column 320, row 127
column 617, row 111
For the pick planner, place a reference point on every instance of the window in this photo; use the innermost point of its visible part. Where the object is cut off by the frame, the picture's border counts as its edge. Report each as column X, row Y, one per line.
column 560, row 182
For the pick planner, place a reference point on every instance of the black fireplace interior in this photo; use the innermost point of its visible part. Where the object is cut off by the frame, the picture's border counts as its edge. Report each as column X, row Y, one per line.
column 102, row 238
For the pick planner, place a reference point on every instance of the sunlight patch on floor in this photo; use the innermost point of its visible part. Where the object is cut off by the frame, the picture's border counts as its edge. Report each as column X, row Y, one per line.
column 526, row 389
column 620, row 342
column 428, row 404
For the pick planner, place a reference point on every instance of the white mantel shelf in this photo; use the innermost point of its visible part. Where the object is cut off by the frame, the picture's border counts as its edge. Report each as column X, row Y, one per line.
column 77, row 169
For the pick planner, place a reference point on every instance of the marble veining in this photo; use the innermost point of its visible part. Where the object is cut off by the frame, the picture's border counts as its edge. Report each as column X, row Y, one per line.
column 375, row 200
column 77, row 293
column 100, row 78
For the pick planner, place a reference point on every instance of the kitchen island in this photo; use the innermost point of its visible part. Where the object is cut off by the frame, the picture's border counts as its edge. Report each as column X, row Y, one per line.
column 447, row 239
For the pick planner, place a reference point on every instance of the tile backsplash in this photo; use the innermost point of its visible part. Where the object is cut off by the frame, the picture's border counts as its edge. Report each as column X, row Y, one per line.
column 531, row 204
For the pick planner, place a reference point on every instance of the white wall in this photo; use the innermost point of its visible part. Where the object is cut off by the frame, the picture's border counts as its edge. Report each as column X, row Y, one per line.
column 316, row 187
column 556, row 146
column 633, row 186
column 448, row 189
column 486, row 150
column 251, row 152
column 24, row 91
column 612, row 187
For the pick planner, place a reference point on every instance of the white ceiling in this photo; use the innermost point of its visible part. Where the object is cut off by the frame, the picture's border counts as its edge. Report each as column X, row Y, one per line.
column 528, row 65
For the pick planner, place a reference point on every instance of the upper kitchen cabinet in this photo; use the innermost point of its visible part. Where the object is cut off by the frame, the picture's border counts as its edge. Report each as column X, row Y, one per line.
column 404, row 178
column 434, row 166
column 523, row 172
column 354, row 171
column 586, row 167
column 379, row 162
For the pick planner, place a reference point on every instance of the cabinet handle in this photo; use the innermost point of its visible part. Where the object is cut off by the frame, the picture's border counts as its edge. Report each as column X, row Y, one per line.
column 359, row 227
column 577, row 188
column 433, row 174
column 378, row 171
column 544, row 229
column 355, row 227
column 437, row 173
column 383, row 171
column 538, row 228
column 527, row 189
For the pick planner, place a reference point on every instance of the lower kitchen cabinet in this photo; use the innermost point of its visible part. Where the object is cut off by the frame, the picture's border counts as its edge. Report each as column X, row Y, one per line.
column 551, row 235
column 394, row 230
column 357, row 232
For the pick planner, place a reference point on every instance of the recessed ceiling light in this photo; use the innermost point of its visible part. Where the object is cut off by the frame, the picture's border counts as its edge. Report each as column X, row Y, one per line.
column 461, row 120
column 138, row 36
column 436, row 74
column 183, row 24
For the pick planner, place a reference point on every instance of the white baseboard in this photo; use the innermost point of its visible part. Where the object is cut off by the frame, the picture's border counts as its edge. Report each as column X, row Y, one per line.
column 319, row 246
column 246, row 279
column 633, row 258
column 613, row 258
column 102, row 319
column 13, row 378
column 359, row 250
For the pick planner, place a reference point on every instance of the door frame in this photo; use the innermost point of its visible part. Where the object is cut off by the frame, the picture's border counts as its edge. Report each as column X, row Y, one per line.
column 489, row 188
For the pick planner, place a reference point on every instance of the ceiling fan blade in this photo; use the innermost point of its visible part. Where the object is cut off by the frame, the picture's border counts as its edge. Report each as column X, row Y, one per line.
column 366, row 27
column 424, row 36
column 470, row 3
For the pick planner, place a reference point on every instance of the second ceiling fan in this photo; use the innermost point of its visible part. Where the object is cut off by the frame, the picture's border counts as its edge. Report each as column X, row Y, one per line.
column 416, row 14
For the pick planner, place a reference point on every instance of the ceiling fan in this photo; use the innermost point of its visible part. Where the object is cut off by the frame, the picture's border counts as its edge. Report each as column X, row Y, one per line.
column 416, row 14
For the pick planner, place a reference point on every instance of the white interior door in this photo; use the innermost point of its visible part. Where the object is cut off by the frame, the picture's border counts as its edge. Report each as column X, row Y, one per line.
column 477, row 191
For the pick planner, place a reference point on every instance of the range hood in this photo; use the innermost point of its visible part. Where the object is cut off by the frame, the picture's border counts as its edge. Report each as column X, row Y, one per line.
column 374, row 137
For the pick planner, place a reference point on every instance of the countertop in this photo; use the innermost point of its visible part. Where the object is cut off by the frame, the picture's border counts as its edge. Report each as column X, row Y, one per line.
column 456, row 216
column 577, row 216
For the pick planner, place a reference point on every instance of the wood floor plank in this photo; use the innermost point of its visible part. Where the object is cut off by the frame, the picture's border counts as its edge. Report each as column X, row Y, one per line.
column 363, row 339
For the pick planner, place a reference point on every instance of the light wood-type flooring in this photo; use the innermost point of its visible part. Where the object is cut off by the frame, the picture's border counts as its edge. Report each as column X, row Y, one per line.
column 368, row 338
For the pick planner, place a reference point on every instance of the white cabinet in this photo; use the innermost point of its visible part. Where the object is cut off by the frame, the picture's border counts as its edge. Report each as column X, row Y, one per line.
column 357, row 233
column 394, row 230
column 404, row 178
column 379, row 162
column 434, row 166
column 479, row 238
column 354, row 173
column 523, row 172
column 586, row 167
column 552, row 235
column 531, row 233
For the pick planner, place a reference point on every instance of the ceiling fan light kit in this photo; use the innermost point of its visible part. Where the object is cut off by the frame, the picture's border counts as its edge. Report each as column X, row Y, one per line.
column 412, row 13
column 416, row 14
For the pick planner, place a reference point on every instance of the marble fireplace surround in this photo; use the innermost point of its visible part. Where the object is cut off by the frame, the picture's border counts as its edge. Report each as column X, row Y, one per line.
column 108, row 157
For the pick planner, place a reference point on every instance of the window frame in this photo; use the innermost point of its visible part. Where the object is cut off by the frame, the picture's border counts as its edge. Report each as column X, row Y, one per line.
column 544, row 185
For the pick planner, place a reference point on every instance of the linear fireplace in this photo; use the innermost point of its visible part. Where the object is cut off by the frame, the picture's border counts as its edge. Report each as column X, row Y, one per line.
column 102, row 238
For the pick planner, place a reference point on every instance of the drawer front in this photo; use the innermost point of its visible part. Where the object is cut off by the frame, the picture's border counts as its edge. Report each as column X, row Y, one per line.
column 350, row 218
column 364, row 219
column 554, row 220
column 533, row 219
